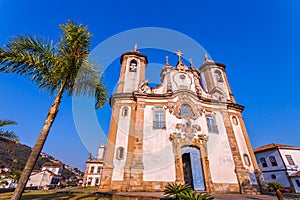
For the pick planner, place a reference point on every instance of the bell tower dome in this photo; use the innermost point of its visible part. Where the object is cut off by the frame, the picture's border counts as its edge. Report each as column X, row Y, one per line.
column 133, row 68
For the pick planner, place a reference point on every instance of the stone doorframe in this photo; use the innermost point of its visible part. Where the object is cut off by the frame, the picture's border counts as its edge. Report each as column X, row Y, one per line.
column 201, row 143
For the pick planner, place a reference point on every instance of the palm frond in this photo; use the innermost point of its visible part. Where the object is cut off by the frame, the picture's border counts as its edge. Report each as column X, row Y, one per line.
column 275, row 185
column 5, row 122
column 33, row 57
column 89, row 82
column 174, row 190
column 192, row 195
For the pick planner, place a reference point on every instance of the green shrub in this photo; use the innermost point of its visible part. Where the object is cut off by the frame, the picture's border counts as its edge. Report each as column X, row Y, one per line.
column 184, row 192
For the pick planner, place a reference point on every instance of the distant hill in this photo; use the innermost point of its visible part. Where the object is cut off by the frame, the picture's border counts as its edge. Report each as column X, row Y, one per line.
column 14, row 157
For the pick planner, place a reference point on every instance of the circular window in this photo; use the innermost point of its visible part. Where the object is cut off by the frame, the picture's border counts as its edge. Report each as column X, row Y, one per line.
column 182, row 76
column 273, row 176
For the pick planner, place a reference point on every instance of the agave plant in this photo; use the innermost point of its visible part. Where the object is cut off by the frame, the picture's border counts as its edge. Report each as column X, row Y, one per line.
column 276, row 186
column 174, row 190
column 192, row 195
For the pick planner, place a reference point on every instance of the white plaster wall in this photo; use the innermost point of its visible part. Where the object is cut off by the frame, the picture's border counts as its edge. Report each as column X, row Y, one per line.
column 177, row 82
column 39, row 179
column 131, row 79
column 238, row 132
column 162, row 88
column 280, row 177
column 219, row 154
column 158, row 157
column 297, row 188
column 121, row 141
column 295, row 156
column 266, row 155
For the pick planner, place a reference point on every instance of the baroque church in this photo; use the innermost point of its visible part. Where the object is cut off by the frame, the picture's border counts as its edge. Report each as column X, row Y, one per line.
column 189, row 129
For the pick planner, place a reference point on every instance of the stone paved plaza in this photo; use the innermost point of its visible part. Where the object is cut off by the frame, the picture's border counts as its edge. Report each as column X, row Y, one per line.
column 159, row 195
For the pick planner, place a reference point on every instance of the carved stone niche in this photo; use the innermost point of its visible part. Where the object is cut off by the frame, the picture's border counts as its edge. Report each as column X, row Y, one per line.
column 184, row 108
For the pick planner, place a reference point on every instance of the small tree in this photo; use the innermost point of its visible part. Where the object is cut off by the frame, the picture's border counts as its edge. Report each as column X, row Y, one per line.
column 276, row 186
column 7, row 135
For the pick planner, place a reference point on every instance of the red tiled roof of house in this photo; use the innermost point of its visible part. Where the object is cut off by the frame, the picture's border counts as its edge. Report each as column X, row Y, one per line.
column 53, row 174
column 275, row 146
column 297, row 174
column 35, row 171
column 52, row 164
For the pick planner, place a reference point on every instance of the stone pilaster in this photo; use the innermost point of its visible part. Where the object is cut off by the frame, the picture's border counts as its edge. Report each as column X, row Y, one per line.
column 130, row 148
column 137, row 167
column 241, row 173
column 105, row 182
column 257, row 171
column 205, row 162
column 175, row 138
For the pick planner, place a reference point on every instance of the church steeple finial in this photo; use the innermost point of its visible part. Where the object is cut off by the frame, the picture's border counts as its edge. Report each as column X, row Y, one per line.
column 206, row 57
column 167, row 60
column 135, row 47
column 179, row 54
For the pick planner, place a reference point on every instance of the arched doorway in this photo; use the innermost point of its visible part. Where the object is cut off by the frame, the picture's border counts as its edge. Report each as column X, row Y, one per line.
column 192, row 167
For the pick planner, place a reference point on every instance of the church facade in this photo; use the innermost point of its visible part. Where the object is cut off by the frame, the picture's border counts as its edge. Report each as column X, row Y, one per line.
column 189, row 129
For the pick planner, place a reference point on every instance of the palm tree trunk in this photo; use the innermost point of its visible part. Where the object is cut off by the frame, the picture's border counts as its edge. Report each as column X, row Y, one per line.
column 279, row 194
column 38, row 146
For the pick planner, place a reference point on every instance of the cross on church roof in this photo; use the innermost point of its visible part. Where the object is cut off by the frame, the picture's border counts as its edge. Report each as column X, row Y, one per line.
column 179, row 54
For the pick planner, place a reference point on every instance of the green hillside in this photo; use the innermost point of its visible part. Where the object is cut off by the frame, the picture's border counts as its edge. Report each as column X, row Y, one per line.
column 14, row 157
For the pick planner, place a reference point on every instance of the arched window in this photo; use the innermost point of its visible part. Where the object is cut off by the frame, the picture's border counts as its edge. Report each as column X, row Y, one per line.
column 247, row 160
column 159, row 118
column 133, row 66
column 125, row 111
column 263, row 162
column 186, row 110
column 212, row 128
column 273, row 161
column 120, row 153
column 290, row 160
column 234, row 120
column 218, row 75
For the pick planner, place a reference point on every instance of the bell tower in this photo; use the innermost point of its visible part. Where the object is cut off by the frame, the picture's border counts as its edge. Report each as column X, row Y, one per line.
column 216, row 80
column 133, row 68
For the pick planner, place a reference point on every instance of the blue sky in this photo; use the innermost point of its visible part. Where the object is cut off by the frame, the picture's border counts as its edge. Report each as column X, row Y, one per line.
column 259, row 41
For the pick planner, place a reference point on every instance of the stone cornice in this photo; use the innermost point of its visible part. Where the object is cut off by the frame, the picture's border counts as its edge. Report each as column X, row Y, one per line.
column 135, row 95
column 134, row 53
column 223, row 66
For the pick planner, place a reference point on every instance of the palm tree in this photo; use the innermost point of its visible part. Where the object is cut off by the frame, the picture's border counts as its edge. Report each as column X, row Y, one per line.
column 276, row 186
column 62, row 68
column 7, row 135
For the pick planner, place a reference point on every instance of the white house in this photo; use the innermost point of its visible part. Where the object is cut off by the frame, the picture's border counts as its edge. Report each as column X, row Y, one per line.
column 49, row 175
column 94, row 168
column 280, row 163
